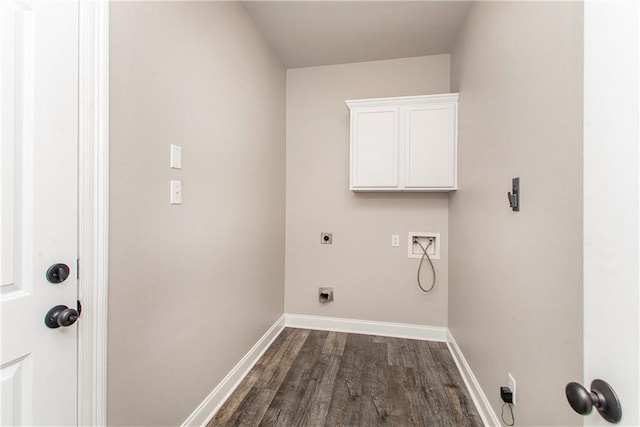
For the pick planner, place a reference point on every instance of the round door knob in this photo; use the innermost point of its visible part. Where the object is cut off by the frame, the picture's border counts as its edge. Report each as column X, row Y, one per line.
column 601, row 396
column 61, row 315
column 580, row 399
column 57, row 273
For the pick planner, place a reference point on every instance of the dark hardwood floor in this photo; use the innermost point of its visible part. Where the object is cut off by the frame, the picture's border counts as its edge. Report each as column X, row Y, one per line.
column 319, row 378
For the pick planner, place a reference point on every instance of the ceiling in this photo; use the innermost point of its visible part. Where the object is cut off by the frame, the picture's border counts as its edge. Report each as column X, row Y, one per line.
column 310, row 33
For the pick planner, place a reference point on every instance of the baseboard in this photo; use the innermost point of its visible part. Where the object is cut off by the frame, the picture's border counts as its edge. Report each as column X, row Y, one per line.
column 489, row 417
column 367, row 327
column 207, row 409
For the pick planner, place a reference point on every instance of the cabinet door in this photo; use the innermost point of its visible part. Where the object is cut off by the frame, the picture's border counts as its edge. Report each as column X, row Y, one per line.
column 430, row 146
column 374, row 148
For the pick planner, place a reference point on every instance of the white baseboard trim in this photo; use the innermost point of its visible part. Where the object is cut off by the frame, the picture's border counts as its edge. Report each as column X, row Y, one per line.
column 489, row 417
column 367, row 327
column 207, row 409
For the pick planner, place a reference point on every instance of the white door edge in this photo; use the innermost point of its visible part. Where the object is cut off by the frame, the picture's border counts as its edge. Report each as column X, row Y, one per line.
column 611, row 195
column 93, row 212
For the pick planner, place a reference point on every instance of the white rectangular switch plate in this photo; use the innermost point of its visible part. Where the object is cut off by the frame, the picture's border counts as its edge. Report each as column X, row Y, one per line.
column 395, row 240
column 176, row 156
column 176, row 193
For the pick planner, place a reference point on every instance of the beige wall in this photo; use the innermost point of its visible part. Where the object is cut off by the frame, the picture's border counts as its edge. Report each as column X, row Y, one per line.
column 371, row 279
column 192, row 287
column 515, row 294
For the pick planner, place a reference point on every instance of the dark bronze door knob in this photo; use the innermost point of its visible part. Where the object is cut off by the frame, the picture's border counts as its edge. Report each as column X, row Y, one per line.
column 61, row 315
column 601, row 396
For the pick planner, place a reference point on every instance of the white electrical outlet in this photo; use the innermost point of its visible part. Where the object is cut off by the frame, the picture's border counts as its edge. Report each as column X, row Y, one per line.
column 176, row 193
column 512, row 386
column 395, row 240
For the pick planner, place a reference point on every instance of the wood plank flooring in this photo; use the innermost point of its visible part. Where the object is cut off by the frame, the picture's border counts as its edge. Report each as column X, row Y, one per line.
column 320, row 378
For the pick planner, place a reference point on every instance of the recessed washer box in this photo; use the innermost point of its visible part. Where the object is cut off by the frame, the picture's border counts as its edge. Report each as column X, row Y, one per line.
column 415, row 251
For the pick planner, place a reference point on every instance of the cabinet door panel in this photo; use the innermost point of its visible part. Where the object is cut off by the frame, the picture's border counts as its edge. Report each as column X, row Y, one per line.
column 430, row 147
column 374, row 152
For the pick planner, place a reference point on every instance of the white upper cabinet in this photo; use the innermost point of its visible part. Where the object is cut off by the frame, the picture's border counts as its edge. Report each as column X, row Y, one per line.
column 404, row 143
column 375, row 149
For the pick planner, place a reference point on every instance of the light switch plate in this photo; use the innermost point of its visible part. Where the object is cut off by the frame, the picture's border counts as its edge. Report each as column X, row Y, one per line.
column 176, row 157
column 176, row 193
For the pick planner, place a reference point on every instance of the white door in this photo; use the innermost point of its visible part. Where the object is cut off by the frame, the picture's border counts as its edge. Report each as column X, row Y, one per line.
column 39, row 126
column 611, row 196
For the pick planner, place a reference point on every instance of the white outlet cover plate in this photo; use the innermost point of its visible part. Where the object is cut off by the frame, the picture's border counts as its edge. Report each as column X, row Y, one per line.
column 395, row 240
column 414, row 251
column 176, row 193
column 512, row 386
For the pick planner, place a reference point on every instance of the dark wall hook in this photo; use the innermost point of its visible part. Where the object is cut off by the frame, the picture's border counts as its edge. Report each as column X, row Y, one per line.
column 514, row 195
